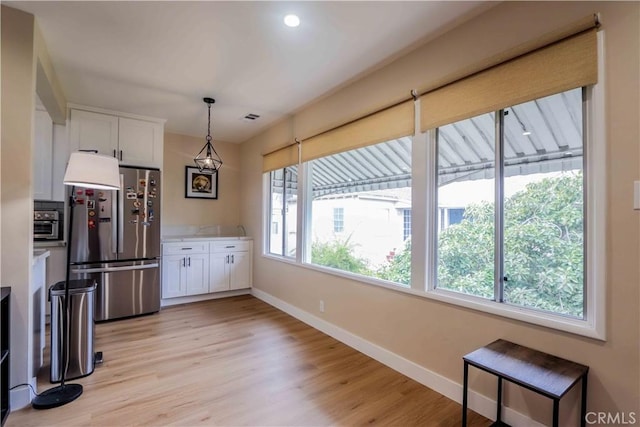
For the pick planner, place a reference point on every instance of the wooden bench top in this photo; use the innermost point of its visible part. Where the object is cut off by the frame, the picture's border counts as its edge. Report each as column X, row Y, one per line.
column 541, row 372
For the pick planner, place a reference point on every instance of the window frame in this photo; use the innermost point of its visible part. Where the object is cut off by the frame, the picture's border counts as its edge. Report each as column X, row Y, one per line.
column 268, row 218
column 594, row 161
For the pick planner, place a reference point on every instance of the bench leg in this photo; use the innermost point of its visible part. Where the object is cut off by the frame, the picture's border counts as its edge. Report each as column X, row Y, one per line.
column 464, row 394
column 556, row 412
column 499, row 409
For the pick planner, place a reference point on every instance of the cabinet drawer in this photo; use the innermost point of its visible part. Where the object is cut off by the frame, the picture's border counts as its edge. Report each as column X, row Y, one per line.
column 239, row 246
column 185, row 248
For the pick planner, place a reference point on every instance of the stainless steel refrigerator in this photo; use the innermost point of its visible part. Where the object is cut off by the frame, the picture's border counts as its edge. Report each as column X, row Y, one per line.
column 116, row 241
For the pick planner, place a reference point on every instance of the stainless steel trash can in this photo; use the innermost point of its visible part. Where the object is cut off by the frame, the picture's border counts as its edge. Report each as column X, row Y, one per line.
column 80, row 336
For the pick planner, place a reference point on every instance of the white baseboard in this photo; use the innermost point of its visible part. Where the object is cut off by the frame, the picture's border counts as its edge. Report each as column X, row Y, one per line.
column 479, row 403
column 21, row 397
column 204, row 297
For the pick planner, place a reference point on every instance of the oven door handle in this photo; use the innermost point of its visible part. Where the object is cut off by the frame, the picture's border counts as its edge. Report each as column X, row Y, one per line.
column 114, row 269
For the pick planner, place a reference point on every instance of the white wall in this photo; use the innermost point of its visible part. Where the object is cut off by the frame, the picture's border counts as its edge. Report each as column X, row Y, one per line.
column 18, row 108
column 26, row 68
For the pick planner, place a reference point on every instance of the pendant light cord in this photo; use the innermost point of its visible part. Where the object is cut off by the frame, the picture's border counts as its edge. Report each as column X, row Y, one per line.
column 209, row 124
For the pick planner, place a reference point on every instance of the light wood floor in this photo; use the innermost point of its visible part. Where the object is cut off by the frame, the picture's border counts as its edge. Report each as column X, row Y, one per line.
column 238, row 361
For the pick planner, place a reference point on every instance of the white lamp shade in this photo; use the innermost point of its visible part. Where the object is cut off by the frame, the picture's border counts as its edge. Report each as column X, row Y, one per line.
column 92, row 171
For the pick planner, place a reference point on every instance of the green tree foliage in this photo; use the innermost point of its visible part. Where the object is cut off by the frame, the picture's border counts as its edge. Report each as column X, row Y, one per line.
column 338, row 254
column 398, row 269
column 543, row 248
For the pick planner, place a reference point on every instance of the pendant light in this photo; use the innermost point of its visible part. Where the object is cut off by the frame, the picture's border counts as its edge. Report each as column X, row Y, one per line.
column 207, row 159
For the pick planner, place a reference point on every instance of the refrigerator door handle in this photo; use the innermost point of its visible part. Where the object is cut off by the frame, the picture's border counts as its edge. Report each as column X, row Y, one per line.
column 121, row 215
column 113, row 269
column 114, row 225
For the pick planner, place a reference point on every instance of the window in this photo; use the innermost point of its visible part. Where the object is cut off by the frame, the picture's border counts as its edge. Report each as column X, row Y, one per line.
column 519, row 238
column 449, row 216
column 406, row 221
column 455, row 215
column 338, row 220
column 283, row 209
column 355, row 199
column 508, row 169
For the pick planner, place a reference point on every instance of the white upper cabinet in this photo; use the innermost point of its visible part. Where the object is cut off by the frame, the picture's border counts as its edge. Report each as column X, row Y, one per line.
column 140, row 142
column 134, row 141
column 94, row 131
column 42, row 155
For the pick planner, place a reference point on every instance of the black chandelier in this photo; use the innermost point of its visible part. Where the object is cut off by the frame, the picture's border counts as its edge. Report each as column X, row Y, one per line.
column 207, row 159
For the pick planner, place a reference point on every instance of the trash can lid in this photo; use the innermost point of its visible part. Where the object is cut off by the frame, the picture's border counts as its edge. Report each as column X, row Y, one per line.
column 77, row 286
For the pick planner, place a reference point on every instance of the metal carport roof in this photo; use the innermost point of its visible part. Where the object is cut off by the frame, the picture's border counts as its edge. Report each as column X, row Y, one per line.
column 544, row 135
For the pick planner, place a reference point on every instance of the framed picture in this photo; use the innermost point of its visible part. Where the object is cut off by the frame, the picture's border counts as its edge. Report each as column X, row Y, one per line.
column 200, row 185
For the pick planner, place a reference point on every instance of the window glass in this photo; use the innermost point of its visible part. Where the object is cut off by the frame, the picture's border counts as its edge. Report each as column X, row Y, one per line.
column 359, row 200
column 283, row 207
column 466, row 203
column 338, row 220
column 407, row 224
column 277, row 191
column 544, row 204
column 541, row 207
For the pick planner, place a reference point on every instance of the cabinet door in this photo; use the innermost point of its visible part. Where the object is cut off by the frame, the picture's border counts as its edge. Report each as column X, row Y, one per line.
column 218, row 272
column 42, row 155
column 140, row 142
column 197, row 274
column 174, row 278
column 240, row 272
column 60, row 158
column 93, row 131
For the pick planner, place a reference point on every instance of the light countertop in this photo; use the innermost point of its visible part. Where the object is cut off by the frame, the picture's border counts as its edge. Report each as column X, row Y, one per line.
column 200, row 237
column 49, row 244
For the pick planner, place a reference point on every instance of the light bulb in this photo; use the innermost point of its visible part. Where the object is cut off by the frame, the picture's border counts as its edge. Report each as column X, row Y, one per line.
column 291, row 21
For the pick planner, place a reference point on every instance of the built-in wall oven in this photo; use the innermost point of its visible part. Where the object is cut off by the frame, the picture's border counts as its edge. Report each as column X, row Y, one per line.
column 46, row 225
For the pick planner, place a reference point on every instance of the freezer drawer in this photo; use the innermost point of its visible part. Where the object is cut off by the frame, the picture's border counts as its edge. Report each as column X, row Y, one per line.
column 123, row 289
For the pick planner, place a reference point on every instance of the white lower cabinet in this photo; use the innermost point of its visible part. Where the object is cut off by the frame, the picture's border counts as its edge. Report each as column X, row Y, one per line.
column 240, row 271
column 194, row 268
column 218, row 273
column 185, row 274
column 230, row 265
column 229, row 271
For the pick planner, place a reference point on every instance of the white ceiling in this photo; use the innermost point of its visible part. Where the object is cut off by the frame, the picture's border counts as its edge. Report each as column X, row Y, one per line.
column 160, row 59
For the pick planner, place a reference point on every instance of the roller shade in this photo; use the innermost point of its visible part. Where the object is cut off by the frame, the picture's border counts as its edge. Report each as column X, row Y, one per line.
column 280, row 158
column 566, row 64
column 391, row 123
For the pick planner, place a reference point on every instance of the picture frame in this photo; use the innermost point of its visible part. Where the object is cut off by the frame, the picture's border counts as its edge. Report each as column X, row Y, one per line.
column 200, row 185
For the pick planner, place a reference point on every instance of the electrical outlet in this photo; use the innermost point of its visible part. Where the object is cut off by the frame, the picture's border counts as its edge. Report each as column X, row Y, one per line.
column 321, row 306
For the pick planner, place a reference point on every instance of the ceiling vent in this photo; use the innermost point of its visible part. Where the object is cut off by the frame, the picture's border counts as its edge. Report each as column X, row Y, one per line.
column 250, row 117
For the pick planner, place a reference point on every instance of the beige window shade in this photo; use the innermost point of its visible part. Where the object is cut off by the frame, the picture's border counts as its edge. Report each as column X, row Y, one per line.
column 561, row 66
column 385, row 125
column 281, row 158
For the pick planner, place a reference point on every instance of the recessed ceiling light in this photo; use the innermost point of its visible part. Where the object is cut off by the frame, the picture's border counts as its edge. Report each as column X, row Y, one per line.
column 291, row 20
